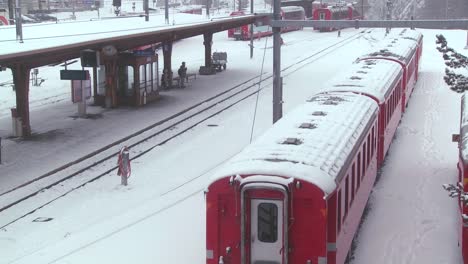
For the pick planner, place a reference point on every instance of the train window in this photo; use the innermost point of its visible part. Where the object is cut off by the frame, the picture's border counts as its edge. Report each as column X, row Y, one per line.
column 267, row 222
column 359, row 166
column 338, row 208
column 353, row 186
column 364, row 159
column 149, row 78
column 368, row 149
column 354, row 175
column 346, row 196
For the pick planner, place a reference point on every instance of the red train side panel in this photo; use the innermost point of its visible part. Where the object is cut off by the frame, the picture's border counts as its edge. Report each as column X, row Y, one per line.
column 336, row 12
column 287, row 12
column 463, row 176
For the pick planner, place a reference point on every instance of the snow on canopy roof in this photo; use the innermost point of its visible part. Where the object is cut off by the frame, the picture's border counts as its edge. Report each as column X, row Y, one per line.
column 371, row 76
column 313, row 142
column 464, row 127
column 397, row 47
column 291, row 8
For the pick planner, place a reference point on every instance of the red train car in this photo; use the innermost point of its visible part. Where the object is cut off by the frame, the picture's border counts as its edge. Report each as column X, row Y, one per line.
column 335, row 12
column 297, row 194
column 361, row 78
column 287, row 12
column 405, row 48
column 3, row 17
column 463, row 176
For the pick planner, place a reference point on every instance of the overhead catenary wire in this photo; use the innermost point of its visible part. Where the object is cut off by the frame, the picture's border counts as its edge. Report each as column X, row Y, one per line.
column 258, row 92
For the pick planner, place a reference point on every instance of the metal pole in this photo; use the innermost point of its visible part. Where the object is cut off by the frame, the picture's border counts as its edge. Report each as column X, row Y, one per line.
column 277, row 80
column 0, row 150
column 446, row 9
column 251, row 29
column 362, row 9
column 19, row 22
column 146, row 6
column 466, row 47
column 166, row 11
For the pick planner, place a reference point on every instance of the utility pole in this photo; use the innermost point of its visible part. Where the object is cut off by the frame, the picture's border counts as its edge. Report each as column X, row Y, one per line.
column 251, row 29
column 146, row 7
column 166, row 11
column 19, row 22
column 389, row 14
column 277, row 79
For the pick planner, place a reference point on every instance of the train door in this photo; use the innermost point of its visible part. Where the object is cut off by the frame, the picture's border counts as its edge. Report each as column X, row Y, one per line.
column 266, row 231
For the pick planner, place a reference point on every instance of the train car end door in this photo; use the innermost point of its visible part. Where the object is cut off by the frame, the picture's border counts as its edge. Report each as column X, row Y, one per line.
column 266, row 242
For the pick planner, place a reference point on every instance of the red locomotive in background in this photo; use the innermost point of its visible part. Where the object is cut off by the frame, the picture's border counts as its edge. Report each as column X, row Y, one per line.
column 334, row 12
column 287, row 12
column 297, row 194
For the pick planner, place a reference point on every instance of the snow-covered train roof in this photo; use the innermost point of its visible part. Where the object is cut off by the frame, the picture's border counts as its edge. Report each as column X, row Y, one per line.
column 312, row 142
column 405, row 34
column 398, row 46
column 371, row 76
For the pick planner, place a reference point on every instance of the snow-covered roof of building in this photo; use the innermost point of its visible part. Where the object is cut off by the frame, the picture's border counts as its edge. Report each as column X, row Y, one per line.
column 312, row 142
column 371, row 76
column 400, row 46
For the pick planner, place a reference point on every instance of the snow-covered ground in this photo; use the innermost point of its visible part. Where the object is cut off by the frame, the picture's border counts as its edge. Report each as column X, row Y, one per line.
column 159, row 216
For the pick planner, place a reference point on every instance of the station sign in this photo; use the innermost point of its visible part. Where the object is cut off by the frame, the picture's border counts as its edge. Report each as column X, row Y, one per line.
column 143, row 52
column 74, row 75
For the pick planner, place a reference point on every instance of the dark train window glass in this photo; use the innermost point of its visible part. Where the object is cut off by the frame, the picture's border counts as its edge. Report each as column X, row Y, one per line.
column 267, row 222
column 339, row 211
column 346, row 196
column 353, row 186
column 368, row 150
column 359, row 166
column 354, row 175
column 364, row 159
column 374, row 143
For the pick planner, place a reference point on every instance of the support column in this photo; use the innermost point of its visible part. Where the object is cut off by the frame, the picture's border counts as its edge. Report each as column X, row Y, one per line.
column 111, row 82
column 167, row 53
column 208, row 42
column 21, row 82
column 95, row 86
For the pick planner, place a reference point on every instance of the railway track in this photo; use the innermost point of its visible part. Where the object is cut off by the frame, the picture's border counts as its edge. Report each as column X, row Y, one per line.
column 101, row 162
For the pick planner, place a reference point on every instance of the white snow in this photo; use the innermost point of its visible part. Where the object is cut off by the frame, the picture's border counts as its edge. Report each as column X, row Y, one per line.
column 321, row 152
column 160, row 216
column 363, row 75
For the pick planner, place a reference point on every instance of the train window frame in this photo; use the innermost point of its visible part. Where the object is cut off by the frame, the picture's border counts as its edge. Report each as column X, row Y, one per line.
column 359, row 166
column 353, row 172
column 364, row 147
column 368, row 149
column 353, row 187
column 346, row 196
column 261, row 227
column 339, row 208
